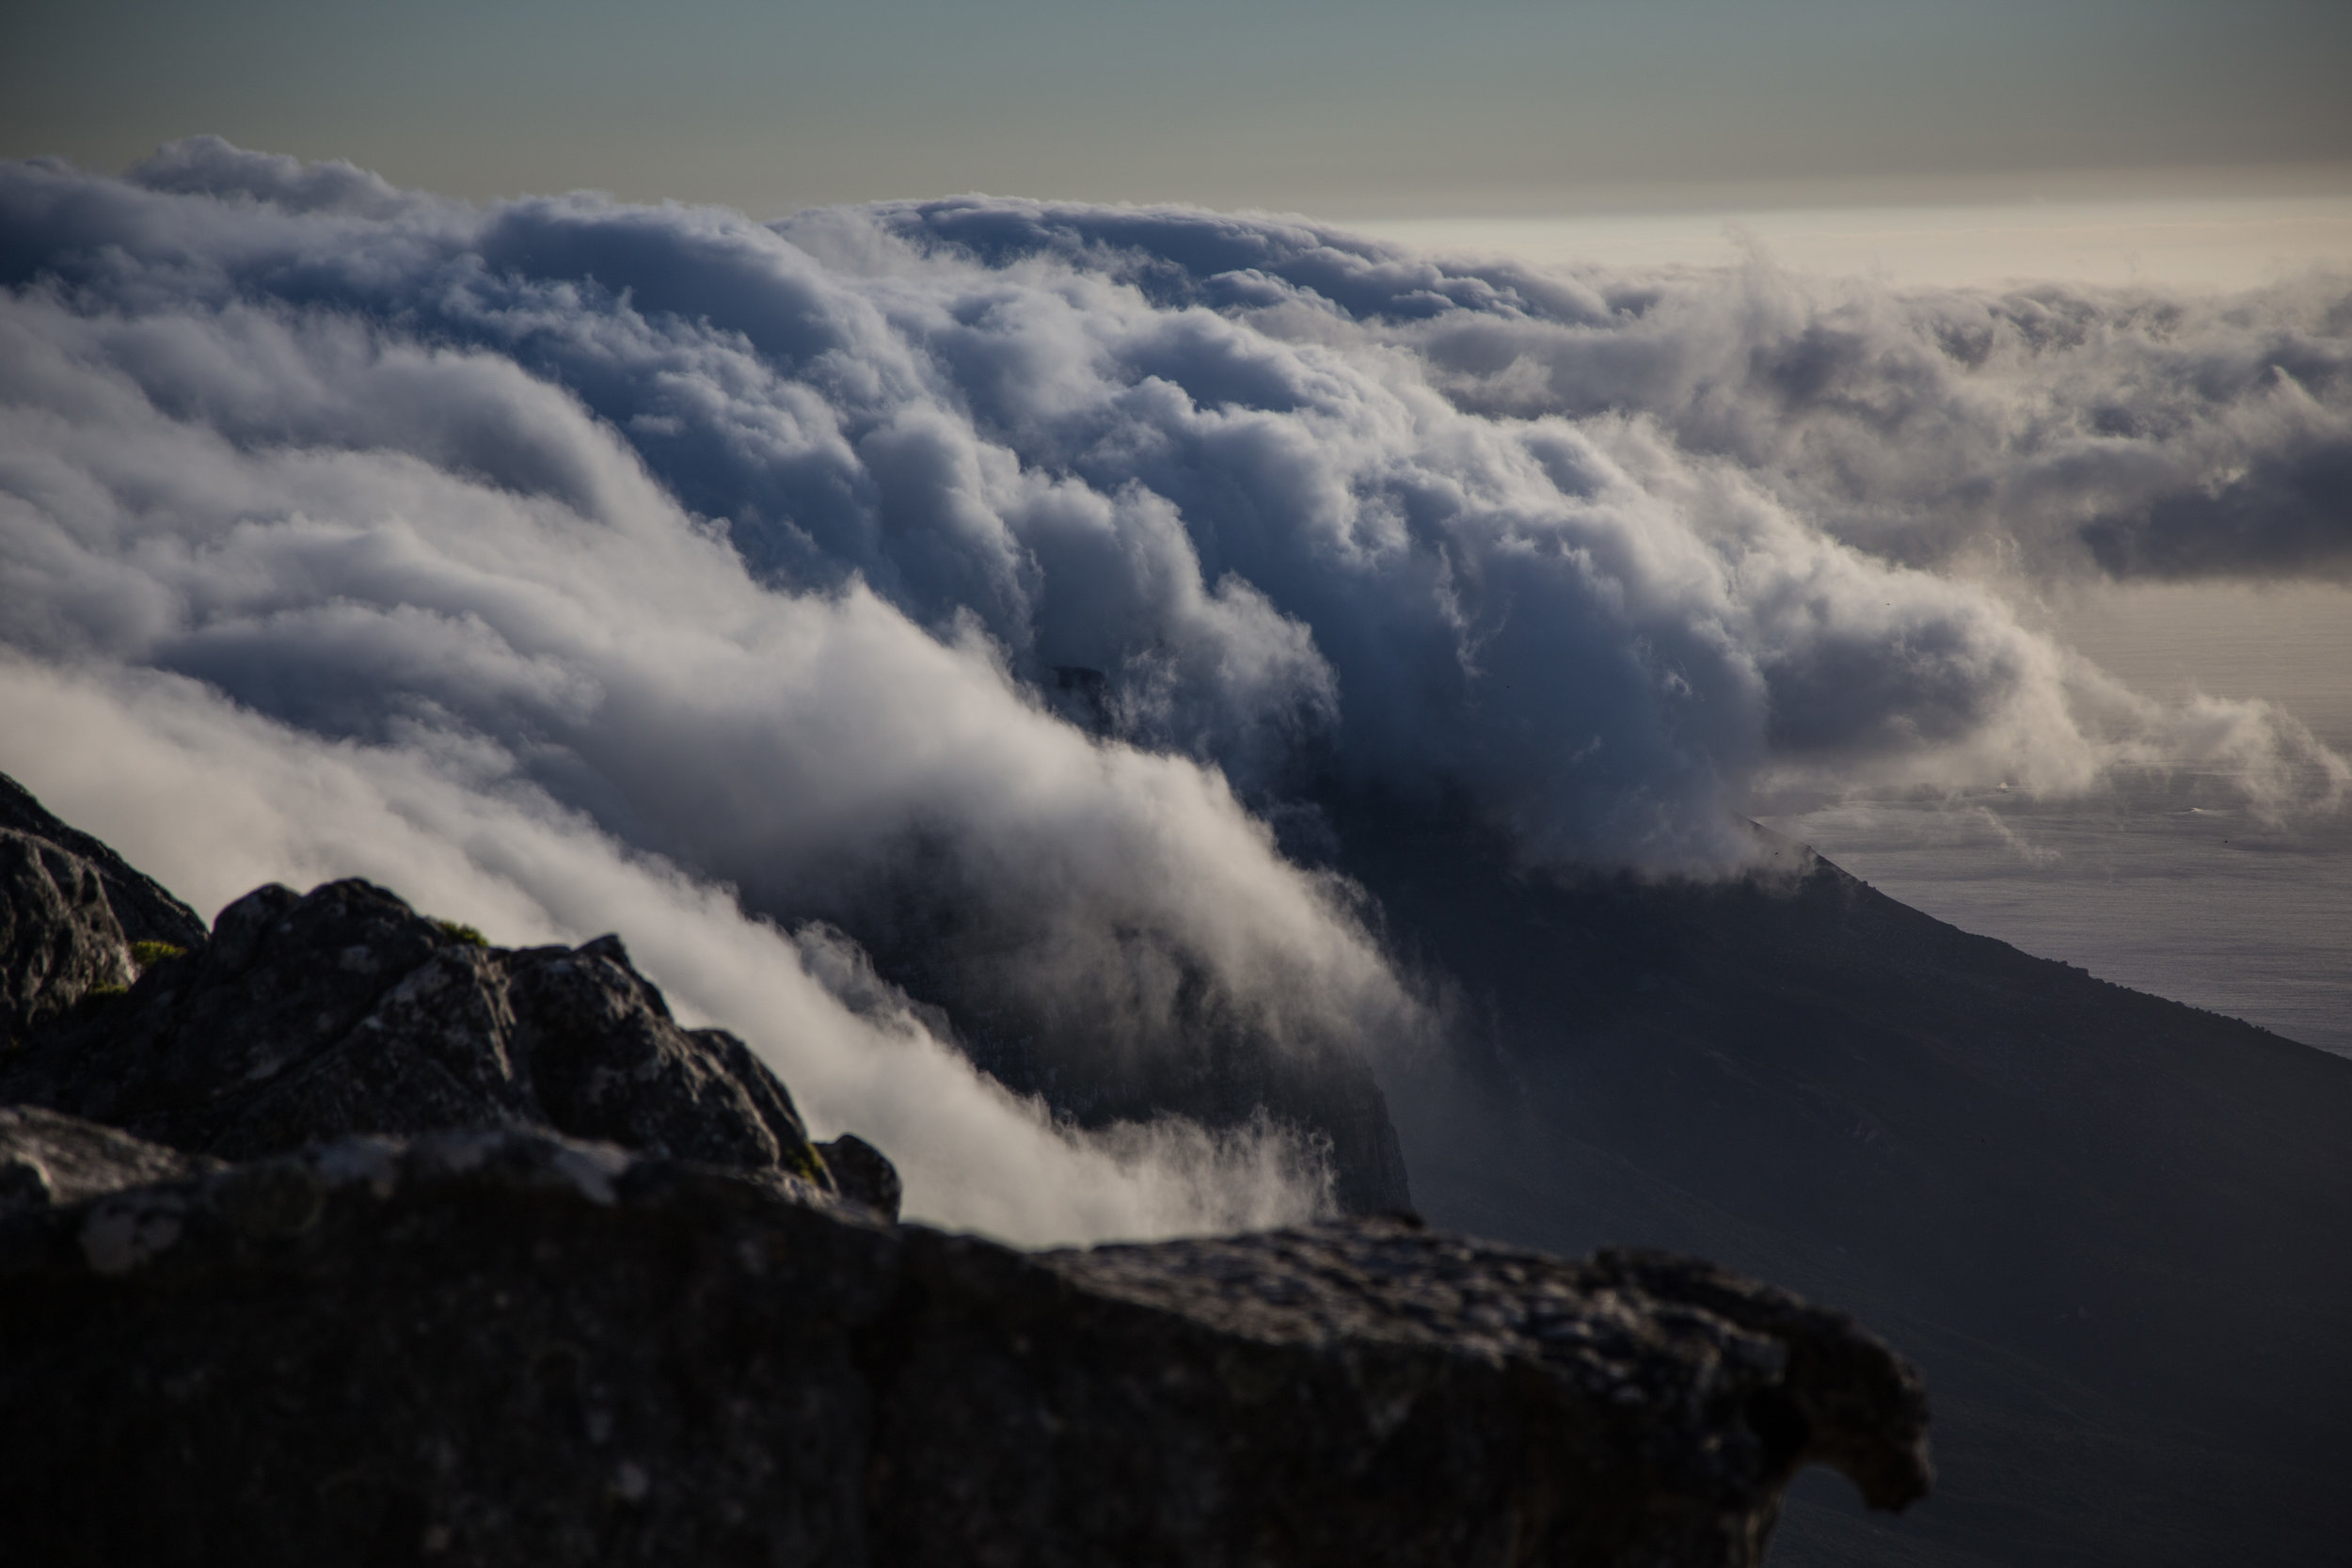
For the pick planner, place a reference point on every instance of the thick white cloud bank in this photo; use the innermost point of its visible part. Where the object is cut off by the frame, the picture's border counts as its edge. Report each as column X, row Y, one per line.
column 1006, row 570
column 214, row 800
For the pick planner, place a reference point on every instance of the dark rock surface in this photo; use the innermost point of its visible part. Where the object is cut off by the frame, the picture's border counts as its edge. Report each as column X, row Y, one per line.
column 1369, row 1392
column 507, row 1347
column 863, row 1174
column 309, row 1017
column 141, row 905
column 59, row 940
column 420, row 1323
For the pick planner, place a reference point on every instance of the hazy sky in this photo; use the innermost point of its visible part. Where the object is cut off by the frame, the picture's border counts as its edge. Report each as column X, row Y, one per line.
column 1364, row 109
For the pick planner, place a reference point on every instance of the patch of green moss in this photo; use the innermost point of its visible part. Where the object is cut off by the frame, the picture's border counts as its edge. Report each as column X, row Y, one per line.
column 146, row 954
column 809, row 1167
column 466, row 936
column 105, row 993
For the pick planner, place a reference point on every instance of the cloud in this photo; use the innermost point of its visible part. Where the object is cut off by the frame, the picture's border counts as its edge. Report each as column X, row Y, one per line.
column 2127, row 432
column 2055, row 431
column 216, row 799
column 970, row 587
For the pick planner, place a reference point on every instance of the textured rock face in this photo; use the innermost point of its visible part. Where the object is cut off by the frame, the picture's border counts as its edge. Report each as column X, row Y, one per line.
column 863, row 1174
column 1366, row 1392
column 345, row 1011
column 58, row 938
column 141, row 906
column 505, row 1347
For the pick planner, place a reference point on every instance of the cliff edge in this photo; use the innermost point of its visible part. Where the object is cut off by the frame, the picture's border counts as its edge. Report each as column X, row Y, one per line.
column 339, row 1235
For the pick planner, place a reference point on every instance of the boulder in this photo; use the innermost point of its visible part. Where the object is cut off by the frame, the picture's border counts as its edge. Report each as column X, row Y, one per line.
column 511, row 1347
column 307, row 1017
column 863, row 1174
column 59, row 940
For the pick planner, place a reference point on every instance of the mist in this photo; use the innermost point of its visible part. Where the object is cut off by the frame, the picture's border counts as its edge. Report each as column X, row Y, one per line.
column 965, row 601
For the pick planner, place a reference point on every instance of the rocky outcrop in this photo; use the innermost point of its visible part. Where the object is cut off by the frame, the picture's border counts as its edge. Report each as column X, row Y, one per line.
column 60, row 940
column 1368, row 1392
column 141, row 905
column 341, row 1236
column 311, row 1017
column 863, row 1174
column 507, row 1347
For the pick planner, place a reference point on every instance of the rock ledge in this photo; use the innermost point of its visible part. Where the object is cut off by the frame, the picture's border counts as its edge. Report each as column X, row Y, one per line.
column 336, row 1235
column 503, row 1346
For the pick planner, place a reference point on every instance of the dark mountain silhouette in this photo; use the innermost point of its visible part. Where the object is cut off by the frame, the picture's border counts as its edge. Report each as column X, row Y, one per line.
column 2116, row 1231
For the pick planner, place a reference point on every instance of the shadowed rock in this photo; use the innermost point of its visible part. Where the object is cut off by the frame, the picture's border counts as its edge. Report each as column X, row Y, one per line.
column 49, row 1158
column 462, row 1337
column 141, row 905
column 345, row 1011
column 506, row 1347
column 60, row 940
column 863, row 1173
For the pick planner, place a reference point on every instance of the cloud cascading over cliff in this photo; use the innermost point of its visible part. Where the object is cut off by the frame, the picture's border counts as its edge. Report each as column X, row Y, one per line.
column 1006, row 577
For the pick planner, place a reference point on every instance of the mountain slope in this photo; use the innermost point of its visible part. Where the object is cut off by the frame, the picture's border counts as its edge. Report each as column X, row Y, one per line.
column 2114, row 1228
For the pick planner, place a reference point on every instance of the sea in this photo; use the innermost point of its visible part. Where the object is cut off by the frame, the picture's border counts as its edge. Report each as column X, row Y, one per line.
column 2164, row 882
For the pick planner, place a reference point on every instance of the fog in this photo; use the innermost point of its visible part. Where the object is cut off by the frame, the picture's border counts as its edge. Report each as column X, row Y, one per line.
column 1005, row 577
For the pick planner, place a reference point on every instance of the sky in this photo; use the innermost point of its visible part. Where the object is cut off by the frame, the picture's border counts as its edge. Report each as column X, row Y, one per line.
column 1366, row 109
column 2215, row 242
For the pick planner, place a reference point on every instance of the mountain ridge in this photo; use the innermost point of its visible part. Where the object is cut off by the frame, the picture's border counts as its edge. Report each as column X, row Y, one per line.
column 2113, row 1225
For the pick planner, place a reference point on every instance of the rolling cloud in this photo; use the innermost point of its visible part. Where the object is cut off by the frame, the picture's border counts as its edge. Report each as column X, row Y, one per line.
column 1003, row 577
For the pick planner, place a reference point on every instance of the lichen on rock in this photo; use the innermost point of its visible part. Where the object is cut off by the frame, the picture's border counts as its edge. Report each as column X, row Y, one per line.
column 795, row 1380
column 313, row 1016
